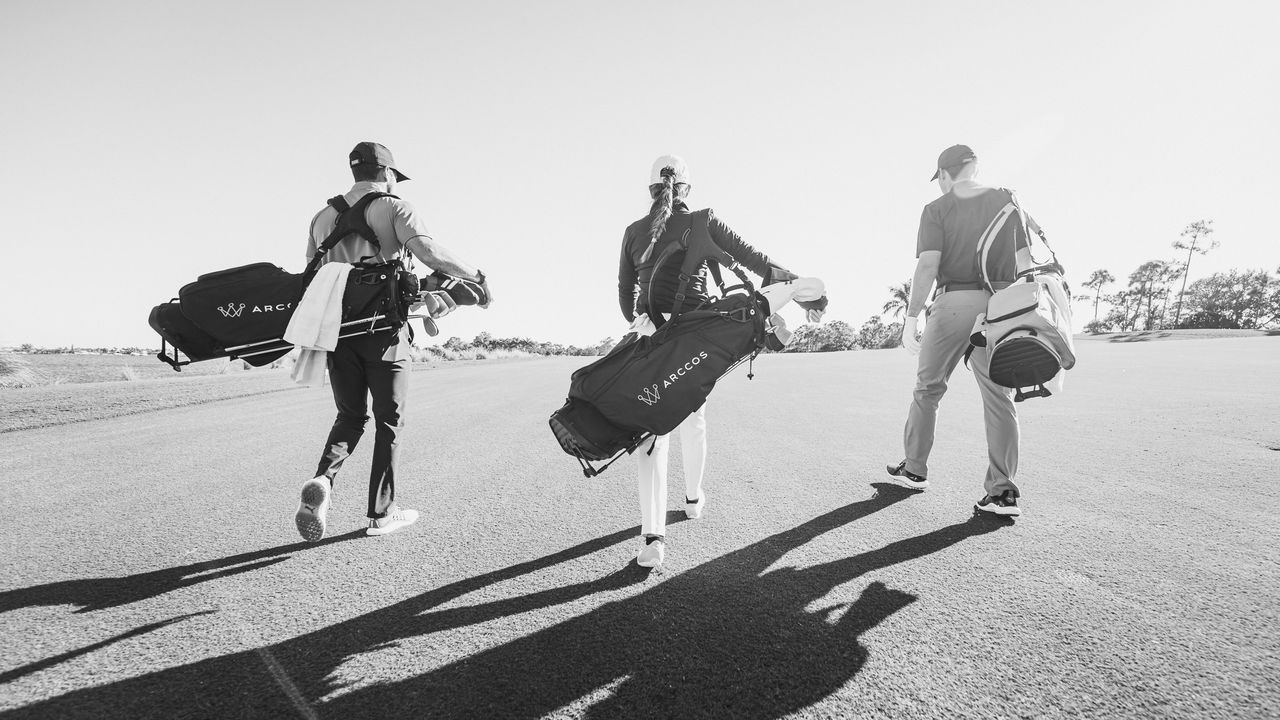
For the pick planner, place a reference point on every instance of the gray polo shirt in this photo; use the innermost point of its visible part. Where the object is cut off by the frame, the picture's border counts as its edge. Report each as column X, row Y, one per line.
column 394, row 221
column 953, row 224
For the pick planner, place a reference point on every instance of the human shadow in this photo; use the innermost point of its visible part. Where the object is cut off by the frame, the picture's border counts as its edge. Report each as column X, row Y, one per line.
column 46, row 663
column 733, row 637
column 93, row 594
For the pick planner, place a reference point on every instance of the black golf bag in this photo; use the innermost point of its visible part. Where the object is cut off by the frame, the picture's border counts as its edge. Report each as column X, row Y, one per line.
column 243, row 312
column 647, row 385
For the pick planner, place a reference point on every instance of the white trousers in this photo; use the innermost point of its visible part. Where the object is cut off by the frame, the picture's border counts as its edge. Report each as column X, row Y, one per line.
column 653, row 470
column 652, row 466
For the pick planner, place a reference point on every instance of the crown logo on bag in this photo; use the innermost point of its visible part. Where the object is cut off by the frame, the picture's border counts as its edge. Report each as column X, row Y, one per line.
column 649, row 395
column 231, row 310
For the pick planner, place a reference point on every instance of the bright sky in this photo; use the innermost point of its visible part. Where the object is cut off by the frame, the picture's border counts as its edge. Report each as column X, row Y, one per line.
column 150, row 142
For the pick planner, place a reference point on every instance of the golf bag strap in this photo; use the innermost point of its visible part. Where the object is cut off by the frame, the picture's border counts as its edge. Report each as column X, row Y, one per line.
column 699, row 248
column 1028, row 226
column 714, row 268
column 1034, row 227
column 987, row 239
column 345, row 226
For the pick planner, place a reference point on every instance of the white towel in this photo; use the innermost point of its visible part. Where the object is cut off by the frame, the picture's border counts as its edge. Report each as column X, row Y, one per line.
column 309, row 367
column 317, row 322
column 318, row 318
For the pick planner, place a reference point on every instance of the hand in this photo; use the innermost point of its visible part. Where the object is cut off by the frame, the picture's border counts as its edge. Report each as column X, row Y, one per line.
column 642, row 325
column 777, row 333
column 814, row 309
column 910, row 335
column 463, row 292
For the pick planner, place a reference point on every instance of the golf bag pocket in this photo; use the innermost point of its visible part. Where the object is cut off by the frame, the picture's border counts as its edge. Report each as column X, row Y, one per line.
column 177, row 330
column 378, row 294
column 584, row 433
column 1027, row 333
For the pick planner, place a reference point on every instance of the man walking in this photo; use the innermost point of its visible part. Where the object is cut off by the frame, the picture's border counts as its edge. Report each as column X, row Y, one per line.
column 946, row 248
column 374, row 364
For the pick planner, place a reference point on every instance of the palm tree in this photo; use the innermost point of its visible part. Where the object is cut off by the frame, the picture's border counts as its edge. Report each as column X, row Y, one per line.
column 1098, row 280
column 899, row 299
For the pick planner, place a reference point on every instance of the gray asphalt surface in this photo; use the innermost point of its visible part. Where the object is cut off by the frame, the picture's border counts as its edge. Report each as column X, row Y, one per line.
column 150, row 567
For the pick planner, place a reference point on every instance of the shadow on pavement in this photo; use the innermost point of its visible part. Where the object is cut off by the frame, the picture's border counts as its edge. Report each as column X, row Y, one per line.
column 14, row 674
column 99, row 593
column 729, row 638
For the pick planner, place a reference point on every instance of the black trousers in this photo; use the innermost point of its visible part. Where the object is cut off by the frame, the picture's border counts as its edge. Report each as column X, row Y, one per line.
column 357, row 372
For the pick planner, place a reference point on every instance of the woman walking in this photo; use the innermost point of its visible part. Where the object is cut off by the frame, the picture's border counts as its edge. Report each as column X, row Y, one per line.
column 669, row 218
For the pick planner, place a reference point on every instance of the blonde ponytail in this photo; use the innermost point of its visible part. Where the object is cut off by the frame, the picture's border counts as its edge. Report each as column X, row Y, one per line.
column 664, row 194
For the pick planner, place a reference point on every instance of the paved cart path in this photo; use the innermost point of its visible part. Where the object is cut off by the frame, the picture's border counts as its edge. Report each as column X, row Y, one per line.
column 150, row 567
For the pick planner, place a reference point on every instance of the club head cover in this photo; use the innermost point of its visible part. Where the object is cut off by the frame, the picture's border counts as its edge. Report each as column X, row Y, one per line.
column 820, row 304
column 463, row 292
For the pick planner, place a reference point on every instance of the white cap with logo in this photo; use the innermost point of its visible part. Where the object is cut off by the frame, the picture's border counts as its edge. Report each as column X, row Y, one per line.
column 674, row 165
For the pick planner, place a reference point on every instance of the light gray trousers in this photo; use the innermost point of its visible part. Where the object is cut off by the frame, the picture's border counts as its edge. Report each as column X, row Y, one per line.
column 946, row 336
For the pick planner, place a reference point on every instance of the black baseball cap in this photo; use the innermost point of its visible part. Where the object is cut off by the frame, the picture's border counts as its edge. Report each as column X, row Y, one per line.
column 952, row 156
column 372, row 153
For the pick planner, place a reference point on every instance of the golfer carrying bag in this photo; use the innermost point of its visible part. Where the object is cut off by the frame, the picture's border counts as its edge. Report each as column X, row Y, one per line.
column 660, row 241
column 371, row 364
column 951, row 228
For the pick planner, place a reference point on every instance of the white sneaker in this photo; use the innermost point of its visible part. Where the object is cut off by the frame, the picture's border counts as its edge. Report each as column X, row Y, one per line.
column 693, row 508
column 313, row 509
column 651, row 554
column 396, row 518
column 1005, row 504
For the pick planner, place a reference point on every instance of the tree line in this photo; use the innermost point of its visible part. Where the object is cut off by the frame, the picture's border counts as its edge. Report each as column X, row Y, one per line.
column 1157, row 295
column 485, row 341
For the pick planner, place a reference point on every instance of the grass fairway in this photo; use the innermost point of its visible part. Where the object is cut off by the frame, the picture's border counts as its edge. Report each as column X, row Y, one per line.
column 150, row 568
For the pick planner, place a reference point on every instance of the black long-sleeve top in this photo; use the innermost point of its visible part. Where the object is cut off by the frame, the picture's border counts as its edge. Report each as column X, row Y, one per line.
column 634, row 276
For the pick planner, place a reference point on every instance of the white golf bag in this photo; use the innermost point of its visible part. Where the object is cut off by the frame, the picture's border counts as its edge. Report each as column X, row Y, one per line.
column 1027, row 326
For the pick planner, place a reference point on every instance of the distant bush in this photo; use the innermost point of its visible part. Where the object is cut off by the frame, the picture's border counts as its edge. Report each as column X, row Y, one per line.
column 839, row 335
column 487, row 347
column 1096, row 327
column 1208, row 319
